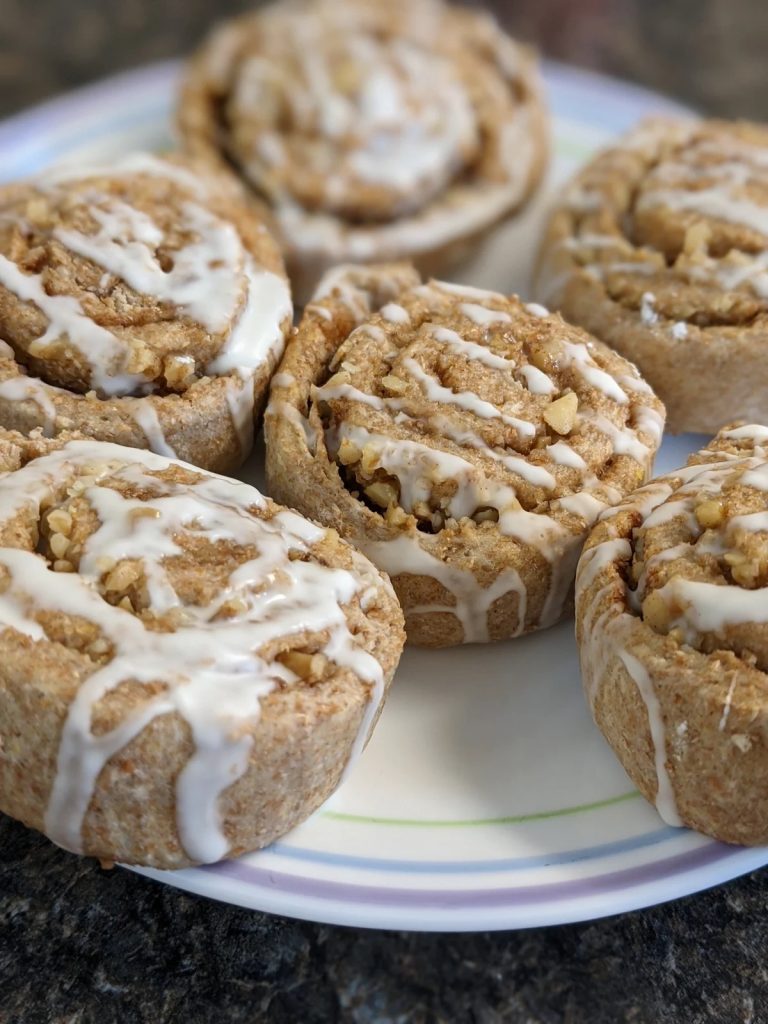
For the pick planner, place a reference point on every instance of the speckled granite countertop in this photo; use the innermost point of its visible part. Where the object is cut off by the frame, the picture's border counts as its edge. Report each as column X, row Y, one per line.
column 80, row 945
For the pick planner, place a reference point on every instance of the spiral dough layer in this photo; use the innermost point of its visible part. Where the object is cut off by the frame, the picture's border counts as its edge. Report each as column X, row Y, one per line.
column 141, row 302
column 186, row 669
column 660, row 248
column 374, row 131
column 672, row 626
column 463, row 440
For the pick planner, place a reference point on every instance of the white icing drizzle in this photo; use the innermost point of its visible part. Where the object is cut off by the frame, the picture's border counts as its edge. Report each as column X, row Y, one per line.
column 600, row 630
column 205, row 280
column 283, row 380
column 711, row 607
column 240, row 401
column 405, row 554
column 666, row 804
column 625, row 442
column 648, row 314
column 127, row 166
column 578, row 356
column 211, row 671
column 750, row 431
column 700, row 607
column 213, row 279
column 537, row 382
column 598, row 558
column 327, row 392
column 727, row 703
column 102, row 350
column 484, row 316
column 583, row 504
column 563, row 455
column 417, row 467
column 394, row 313
column 467, row 291
column 470, row 349
column 465, row 400
column 23, row 389
column 146, row 416
column 534, row 474
column 258, row 333
column 710, row 202
column 286, row 411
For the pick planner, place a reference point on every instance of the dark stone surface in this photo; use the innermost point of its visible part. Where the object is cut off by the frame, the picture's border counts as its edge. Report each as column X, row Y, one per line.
column 82, row 946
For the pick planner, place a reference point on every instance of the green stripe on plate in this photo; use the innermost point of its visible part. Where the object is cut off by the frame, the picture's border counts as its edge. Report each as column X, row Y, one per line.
column 519, row 819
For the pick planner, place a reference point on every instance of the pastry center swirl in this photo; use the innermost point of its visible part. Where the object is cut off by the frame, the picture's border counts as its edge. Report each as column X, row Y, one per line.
column 190, row 594
column 125, row 281
column 455, row 405
column 351, row 122
column 675, row 224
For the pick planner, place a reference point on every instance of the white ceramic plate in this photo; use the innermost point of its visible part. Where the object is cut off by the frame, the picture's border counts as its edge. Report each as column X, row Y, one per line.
column 487, row 798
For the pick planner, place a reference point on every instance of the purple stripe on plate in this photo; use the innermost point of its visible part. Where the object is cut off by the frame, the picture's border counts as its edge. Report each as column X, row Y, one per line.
column 316, row 888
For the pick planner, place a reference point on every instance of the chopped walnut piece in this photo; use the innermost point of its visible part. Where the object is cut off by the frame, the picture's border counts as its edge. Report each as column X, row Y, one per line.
column 561, row 414
column 396, row 516
column 746, row 573
column 306, row 666
column 59, row 545
column 381, row 493
column 656, row 612
column 348, row 452
column 709, row 514
column 394, row 385
column 121, row 577
column 178, row 370
column 141, row 358
column 60, row 521
column 370, row 459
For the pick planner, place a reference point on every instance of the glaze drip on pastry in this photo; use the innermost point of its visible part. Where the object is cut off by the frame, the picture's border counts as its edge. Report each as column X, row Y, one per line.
column 128, row 282
column 429, row 415
column 373, row 131
column 677, row 576
column 189, row 592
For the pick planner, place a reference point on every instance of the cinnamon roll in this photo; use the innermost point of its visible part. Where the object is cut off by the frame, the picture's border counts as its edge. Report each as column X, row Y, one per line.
column 373, row 131
column 465, row 441
column 186, row 669
column 660, row 248
column 142, row 302
column 671, row 618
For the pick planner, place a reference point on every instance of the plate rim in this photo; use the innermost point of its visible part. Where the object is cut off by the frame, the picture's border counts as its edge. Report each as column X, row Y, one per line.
column 87, row 101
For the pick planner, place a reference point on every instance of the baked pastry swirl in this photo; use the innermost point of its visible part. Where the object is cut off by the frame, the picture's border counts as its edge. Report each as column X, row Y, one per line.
column 142, row 302
column 671, row 625
column 374, row 131
column 660, row 248
column 186, row 669
column 464, row 441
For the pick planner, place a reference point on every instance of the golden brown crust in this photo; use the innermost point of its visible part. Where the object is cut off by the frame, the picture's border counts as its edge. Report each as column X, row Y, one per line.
column 122, row 289
column 671, row 629
column 657, row 248
column 412, row 130
column 464, row 441
column 58, row 654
